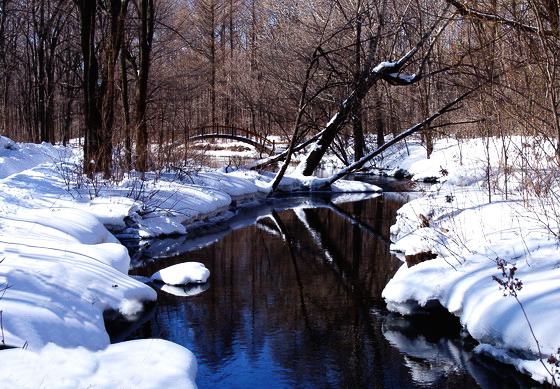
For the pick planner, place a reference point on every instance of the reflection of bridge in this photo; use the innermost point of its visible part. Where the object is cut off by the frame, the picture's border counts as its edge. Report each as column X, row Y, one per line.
column 261, row 143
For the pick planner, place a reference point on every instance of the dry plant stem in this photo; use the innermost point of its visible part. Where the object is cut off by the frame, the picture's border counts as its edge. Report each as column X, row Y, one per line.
column 2, row 312
column 2, row 328
column 536, row 341
column 510, row 286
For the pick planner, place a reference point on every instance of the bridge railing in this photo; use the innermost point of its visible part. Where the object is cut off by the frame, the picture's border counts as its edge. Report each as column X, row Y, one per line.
column 233, row 131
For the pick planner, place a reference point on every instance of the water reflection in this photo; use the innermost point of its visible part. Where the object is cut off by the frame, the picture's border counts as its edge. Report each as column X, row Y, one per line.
column 295, row 301
column 435, row 351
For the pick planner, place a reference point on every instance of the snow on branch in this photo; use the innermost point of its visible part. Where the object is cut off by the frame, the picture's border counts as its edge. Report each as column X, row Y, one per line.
column 390, row 71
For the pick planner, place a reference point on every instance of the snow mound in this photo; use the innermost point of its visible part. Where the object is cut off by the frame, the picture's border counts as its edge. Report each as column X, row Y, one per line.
column 478, row 241
column 17, row 157
column 132, row 364
column 183, row 273
column 60, row 270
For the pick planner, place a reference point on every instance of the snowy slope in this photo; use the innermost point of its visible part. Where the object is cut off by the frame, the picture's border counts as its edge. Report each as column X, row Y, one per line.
column 472, row 236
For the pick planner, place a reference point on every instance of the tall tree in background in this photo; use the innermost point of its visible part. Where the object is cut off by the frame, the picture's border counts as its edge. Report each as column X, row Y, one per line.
column 91, row 87
column 146, row 14
column 47, row 21
column 8, row 39
column 99, row 81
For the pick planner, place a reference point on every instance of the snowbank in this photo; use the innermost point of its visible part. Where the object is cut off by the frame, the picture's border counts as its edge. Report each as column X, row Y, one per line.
column 60, row 271
column 146, row 363
column 473, row 240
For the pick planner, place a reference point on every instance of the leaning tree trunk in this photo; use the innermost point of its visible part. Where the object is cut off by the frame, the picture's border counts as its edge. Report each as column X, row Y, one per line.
column 387, row 71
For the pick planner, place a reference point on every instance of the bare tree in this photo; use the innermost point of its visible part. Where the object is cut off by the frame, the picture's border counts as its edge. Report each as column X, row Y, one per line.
column 99, row 81
column 146, row 12
column 389, row 71
column 533, row 32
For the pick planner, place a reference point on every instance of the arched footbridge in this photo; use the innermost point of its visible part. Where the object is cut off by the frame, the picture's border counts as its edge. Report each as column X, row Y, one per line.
column 261, row 143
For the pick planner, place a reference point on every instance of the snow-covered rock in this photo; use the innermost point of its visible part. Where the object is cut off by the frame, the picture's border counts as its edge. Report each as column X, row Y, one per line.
column 183, row 273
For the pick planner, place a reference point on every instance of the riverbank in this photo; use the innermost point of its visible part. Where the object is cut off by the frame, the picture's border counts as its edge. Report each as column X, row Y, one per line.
column 61, row 270
column 483, row 243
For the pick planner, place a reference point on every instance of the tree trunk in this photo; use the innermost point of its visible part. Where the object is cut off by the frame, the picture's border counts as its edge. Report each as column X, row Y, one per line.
column 379, row 121
column 358, row 130
column 212, row 59
column 126, row 112
column 92, row 111
column 146, row 37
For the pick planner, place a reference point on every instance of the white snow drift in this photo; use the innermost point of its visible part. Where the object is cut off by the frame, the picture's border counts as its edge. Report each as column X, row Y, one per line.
column 471, row 236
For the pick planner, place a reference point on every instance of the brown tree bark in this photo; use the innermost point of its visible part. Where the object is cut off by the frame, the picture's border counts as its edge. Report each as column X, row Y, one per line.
column 92, row 111
column 141, row 98
column 126, row 113
column 358, row 130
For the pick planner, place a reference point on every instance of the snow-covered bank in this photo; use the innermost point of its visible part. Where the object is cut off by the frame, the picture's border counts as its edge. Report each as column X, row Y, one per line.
column 61, row 270
column 145, row 363
column 474, row 239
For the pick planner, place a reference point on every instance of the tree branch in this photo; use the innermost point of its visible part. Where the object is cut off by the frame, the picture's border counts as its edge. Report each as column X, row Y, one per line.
column 411, row 130
column 474, row 14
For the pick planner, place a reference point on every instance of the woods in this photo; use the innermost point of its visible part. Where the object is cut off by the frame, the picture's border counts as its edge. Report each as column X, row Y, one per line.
column 121, row 76
column 299, row 150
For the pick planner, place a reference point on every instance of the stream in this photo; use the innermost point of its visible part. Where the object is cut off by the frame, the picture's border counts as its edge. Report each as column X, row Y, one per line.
column 294, row 301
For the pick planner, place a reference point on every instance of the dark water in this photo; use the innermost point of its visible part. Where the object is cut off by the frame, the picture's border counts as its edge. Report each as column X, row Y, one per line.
column 294, row 301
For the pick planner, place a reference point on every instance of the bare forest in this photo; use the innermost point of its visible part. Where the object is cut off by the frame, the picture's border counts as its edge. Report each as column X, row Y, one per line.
column 122, row 76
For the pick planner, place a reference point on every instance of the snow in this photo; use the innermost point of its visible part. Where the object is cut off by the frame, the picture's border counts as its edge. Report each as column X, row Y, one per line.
column 62, row 269
column 183, row 273
column 472, row 236
column 296, row 182
column 185, row 290
column 155, row 363
column 383, row 66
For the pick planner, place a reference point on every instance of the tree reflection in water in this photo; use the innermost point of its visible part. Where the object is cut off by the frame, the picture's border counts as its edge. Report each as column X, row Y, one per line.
column 295, row 301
